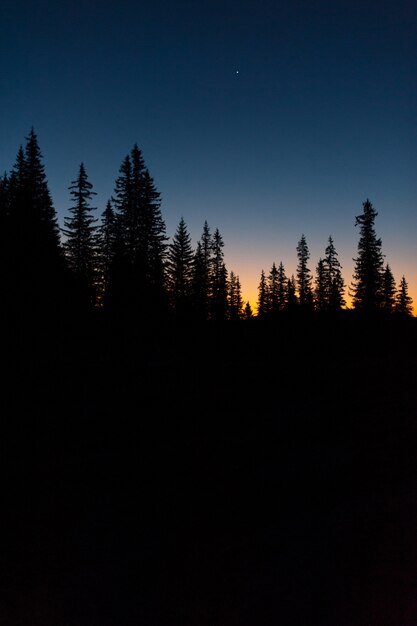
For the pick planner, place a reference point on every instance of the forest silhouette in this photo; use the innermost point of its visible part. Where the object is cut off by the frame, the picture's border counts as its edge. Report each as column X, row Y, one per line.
column 172, row 457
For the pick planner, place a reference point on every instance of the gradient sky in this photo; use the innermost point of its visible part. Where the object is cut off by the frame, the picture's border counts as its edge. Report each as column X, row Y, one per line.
column 269, row 119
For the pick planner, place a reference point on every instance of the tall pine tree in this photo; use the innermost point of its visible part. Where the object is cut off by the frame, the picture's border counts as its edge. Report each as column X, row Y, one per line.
column 234, row 297
column 203, row 274
column 180, row 263
column 142, row 240
column 366, row 288
column 262, row 304
column 304, row 279
column 219, row 304
column 272, row 286
column 320, row 291
column 36, row 281
column 404, row 302
column 388, row 290
column 106, row 249
column 80, row 245
column 334, row 284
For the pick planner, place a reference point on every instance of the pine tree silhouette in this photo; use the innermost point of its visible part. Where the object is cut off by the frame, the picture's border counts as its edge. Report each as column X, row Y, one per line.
column 218, row 303
column 320, row 292
column 292, row 299
column 106, row 250
column 247, row 312
column 142, row 240
column 234, row 296
column 404, row 302
column 180, row 263
column 366, row 288
column 333, row 279
column 304, row 279
column 81, row 246
column 262, row 305
column 203, row 274
column 389, row 290
column 272, row 291
column 36, row 283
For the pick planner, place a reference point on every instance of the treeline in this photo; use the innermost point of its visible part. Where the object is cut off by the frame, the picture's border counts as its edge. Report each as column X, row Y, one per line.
column 125, row 263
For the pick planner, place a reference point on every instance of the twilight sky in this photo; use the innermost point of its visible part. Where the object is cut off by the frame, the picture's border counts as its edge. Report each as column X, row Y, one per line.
column 269, row 119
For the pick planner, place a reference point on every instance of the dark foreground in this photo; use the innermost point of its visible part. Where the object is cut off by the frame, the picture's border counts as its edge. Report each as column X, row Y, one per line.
column 254, row 475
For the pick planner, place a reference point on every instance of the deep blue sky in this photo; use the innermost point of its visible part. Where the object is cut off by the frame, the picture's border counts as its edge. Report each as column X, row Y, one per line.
column 321, row 115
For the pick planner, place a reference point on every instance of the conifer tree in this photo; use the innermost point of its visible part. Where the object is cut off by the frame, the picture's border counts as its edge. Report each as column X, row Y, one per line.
column 247, row 312
column 180, row 270
column 282, row 290
column 404, row 302
column 388, row 290
column 320, row 291
column 234, row 297
column 207, row 254
column 37, row 277
column 238, row 298
column 292, row 299
column 198, row 285
column 40, row 209
column 153, row 246
column 123, row 203
column 334, row 285
column 272, row 291
column 305, row 294
column 203, row 274
column 80, row 245
column 142, row 246
column 366, row 288
column 262, row 305
column 106, row 248
column 219, row 303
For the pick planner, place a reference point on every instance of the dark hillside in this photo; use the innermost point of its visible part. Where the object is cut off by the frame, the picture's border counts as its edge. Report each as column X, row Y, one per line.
column 257, row 474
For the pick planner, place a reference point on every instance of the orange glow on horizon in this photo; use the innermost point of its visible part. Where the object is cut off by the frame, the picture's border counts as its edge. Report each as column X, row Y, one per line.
column 251, row 296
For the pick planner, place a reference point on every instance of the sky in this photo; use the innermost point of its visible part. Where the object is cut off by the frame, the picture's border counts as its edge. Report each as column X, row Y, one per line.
column 267, row 119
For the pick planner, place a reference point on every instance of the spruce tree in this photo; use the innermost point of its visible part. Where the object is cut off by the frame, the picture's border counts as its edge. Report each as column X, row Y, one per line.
column 234, row 296
column 106, row 248
column 198, row 285
column 272, row 291
column 320, row 291
column 207, row 255
column 404, row 302
column 219, row 279
column 247, row 312
column 37, row 282
column 388, row 290
column 153, row 247
column 292, row 299
column 142, row 246
column 179, row 268
column 203, row 274
column 123, row 203
column 304, row 279
column 262, row 304
column 333, row 279
column 282, row 291
column 80, row 245
column 366, row 288
column 40, row 209
column 238, row 298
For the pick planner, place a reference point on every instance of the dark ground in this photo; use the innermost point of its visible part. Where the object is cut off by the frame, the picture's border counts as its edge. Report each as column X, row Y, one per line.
column 259, row 475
